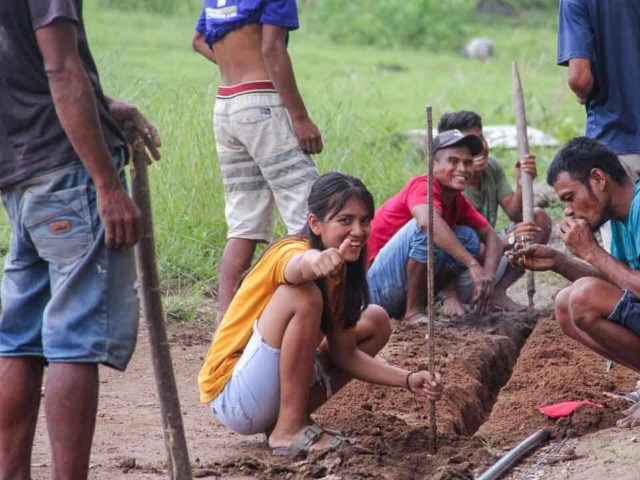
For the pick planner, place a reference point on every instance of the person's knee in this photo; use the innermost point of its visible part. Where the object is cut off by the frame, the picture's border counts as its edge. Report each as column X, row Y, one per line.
column 381, row 322
column 469, row 239
column 303, row 300
column 544, row 223
column 562, row 309
column 374, row 329
column 581, row 306
column 418, row 247
column 307, row 298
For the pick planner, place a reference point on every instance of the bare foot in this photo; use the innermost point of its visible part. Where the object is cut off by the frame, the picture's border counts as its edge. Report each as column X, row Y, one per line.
column 452, row 307
column 504, row 303
column 632, row 418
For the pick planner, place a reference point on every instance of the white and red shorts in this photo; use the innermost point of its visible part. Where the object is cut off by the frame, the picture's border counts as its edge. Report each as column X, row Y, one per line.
column 261, row 160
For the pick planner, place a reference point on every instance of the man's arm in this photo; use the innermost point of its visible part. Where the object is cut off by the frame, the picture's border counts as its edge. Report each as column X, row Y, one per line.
column 493, row 248
column 512, row 203
column 580, row 78
column 200, row 45
column 578, row 237
column 542, row 258
column 75, row 103
column 280, row 69
column 573, row 269
column 446, row 239
column 615, row 271
column 576, row 46
column 443, row 236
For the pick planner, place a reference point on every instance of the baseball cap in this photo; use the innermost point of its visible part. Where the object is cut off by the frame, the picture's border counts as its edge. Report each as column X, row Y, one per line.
column 452, row 138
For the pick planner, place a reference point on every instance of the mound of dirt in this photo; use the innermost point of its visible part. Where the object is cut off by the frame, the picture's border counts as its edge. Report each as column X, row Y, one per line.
column 553, row 368
column 475, row 357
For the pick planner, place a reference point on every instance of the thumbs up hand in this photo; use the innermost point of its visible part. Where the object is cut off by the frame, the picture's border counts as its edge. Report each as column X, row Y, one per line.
column 330, row 261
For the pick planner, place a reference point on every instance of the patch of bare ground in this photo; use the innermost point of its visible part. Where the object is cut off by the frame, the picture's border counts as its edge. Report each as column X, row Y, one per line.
column 475, row 355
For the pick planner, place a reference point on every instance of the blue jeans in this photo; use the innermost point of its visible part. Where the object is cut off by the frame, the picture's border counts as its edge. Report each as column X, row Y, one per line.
column 65, row 296
column 387, row 276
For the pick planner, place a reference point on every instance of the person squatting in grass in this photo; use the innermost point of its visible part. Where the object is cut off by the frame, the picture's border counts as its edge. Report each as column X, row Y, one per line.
column 398, row 243
column 69, row 299
column 264, row 136
column 300, row 327
column 601, row 308
column 487, row 189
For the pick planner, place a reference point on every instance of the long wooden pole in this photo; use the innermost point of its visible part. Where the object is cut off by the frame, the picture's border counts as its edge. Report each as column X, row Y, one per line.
column 431, row 283
column 179, row 467
column 526, row 179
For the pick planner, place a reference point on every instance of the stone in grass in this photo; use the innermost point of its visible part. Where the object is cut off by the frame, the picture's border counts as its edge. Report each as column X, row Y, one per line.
column 478, row 48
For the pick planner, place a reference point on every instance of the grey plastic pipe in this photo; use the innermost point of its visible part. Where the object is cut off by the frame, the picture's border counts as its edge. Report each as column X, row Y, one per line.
column 503, row 465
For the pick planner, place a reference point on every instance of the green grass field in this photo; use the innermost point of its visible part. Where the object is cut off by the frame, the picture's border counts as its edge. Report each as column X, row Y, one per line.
column 353, row 95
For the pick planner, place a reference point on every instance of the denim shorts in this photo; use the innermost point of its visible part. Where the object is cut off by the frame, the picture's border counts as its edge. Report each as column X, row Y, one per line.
column 65, row 296
column 250, row 401
column 387, row 276
column 627, row 312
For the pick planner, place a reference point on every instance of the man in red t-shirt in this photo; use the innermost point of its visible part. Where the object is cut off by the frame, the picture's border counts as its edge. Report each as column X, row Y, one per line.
column 398, row 243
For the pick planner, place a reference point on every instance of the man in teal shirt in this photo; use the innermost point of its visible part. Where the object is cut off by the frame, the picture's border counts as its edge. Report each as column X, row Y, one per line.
column 601, row 309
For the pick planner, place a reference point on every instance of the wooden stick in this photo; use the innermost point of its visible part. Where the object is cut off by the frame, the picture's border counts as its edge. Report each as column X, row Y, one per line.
column 525, row 178
column 430, row 282
column 179, row 467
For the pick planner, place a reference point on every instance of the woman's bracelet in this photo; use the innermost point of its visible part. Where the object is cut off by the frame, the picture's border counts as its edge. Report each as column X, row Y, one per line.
column 407, row 380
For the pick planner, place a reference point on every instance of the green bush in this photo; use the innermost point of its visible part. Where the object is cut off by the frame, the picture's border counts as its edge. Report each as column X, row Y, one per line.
column 520, row 5
column 152, row 6
column 436, row 24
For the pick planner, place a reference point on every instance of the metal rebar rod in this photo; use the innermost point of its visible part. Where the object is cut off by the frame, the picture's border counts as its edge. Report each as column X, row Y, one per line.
column 178, row 465
column 431, row 273
column 525, row 178
column 503, row 465
column 536, row 465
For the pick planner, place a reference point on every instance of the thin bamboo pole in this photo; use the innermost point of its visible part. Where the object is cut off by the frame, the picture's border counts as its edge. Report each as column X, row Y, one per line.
column 526, row 179
column 178, row 465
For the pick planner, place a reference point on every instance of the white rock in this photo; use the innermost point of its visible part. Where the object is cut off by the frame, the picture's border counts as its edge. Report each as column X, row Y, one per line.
column 479, row 48
column 498, row 136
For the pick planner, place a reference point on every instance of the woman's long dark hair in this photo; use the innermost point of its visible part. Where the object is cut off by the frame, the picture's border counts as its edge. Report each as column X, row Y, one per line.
column 329, row 194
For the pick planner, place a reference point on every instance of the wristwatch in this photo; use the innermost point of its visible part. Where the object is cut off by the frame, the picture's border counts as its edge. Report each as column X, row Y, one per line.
column 511, row 239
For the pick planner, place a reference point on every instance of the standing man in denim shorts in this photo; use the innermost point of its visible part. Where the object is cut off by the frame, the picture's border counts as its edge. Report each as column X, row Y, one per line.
column 68, row 294
column 264, row 135
column 601, row 309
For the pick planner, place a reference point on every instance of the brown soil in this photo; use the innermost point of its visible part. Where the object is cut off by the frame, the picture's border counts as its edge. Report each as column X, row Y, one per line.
column 391, row 426
column 610, row 453
column 553, row 368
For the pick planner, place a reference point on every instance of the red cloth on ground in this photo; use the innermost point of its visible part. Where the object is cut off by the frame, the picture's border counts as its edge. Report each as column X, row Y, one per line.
column 396, row 212
column 564, row 409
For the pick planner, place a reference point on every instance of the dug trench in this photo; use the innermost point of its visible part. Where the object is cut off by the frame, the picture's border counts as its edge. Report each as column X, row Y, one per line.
column 476, row 357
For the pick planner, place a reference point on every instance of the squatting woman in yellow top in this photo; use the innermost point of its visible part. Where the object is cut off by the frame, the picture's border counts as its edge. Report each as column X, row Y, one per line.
column 300, row 327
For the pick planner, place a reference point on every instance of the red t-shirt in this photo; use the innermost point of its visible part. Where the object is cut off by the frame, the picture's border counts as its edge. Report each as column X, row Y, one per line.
column 396, row 212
